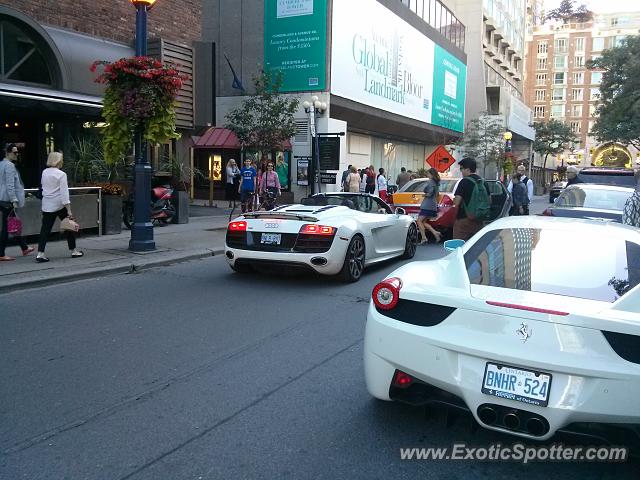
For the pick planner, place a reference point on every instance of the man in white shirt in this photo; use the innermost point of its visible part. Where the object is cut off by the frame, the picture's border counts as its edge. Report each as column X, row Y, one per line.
column 527, row 182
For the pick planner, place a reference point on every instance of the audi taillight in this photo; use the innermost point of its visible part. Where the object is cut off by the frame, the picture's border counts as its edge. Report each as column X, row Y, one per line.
column 312, row 229
column 387, row 293
column 401, row 379
column 238, row 226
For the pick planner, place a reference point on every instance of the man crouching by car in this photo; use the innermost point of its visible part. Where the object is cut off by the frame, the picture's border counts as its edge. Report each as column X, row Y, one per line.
column 472, row 199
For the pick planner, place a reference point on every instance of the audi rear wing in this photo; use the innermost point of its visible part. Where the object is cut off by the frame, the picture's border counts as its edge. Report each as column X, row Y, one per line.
column 280, row 215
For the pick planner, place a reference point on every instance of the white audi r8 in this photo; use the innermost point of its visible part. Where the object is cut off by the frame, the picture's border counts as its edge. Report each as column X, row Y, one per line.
column 533, row 325
column 330, row 233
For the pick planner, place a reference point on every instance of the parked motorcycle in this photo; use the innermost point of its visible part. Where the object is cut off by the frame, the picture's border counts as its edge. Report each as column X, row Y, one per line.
column 162, row 208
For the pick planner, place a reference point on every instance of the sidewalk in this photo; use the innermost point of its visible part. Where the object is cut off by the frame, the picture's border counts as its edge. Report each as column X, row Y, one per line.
column 202, row 237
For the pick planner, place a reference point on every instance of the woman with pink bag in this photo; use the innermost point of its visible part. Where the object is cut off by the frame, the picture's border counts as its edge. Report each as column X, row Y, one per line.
column 11, row 197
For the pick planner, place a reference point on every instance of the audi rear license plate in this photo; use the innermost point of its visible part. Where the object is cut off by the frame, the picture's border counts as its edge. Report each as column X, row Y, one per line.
column 271, row 238
column 517, row 384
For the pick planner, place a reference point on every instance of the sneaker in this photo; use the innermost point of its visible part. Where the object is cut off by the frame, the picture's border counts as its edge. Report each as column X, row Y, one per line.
column 77, row 254
column 42, row 259
column 27, row 251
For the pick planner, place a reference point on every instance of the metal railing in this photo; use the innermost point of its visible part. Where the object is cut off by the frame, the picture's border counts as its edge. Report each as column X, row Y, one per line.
column 434, row 13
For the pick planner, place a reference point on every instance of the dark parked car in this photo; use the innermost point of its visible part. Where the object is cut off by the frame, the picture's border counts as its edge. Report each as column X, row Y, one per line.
column 596, row 202
column 556, row 190
column 608, row 176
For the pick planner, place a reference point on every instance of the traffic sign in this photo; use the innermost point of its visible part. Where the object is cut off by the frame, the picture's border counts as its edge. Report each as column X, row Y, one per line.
column 440, row 159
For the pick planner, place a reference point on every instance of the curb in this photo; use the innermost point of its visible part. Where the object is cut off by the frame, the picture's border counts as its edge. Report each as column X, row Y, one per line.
column 105, row 271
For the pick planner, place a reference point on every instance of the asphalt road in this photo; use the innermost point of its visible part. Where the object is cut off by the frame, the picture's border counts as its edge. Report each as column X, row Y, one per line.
column 193, row 372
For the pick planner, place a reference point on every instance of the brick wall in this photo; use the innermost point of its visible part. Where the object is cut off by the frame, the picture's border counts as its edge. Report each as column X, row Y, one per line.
column 178, row 20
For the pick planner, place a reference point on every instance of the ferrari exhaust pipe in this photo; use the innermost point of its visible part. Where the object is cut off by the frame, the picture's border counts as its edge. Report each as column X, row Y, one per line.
column 536, row 427
column 487, row 415
column 511, row 421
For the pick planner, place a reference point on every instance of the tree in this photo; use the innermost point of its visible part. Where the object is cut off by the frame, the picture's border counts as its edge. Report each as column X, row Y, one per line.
column 618, row 115
column 483, row 141
column 552, row 138
column 566, row 12
column 265, row 119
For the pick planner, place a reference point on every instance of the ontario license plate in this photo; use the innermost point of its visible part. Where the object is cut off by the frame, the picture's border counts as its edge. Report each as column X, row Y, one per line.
column 271, row 238
column 517, row 384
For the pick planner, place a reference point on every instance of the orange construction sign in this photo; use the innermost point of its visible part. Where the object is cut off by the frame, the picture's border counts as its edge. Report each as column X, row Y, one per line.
column 440, row 159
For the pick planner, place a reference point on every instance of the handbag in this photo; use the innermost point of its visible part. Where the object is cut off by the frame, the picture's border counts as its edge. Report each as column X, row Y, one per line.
column 14, row 224
column 69, row 225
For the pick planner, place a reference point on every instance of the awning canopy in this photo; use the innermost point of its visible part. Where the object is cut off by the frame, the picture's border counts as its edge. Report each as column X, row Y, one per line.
column 223, row 138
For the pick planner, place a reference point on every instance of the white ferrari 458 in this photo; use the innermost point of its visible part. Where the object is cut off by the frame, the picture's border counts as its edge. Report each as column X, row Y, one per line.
column 330, row 233
column 533, row 326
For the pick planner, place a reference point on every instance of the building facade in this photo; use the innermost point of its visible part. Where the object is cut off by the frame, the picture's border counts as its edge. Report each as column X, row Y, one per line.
column 495, row 47
column 394, row 81
column 48, row 97
column 560, row 86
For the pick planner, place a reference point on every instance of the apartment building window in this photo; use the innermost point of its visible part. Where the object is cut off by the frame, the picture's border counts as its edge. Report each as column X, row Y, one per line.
column 559, row 78
column 542, row 47
column 557, row 111
column 560, row 61
column 598, row 44
column 578, row 61
column 541, row 78
column 575, row 127
column 596, row 77
column 576, row 110
column 558, row 94
column 560, row 45
column 580, row 44
column 541, row 64
column 538, row 111
column 577, row 94
column 578, row 78
column 540, row 95
column 595, row 94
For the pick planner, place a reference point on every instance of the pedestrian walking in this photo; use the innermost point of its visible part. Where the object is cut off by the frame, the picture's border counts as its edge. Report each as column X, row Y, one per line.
column 352, row 181
column 269, row 182
column 55, row 204
column 381, row 181
column 343, row 183
column 527, row 183
column 519, row 196
column 233, row 182
column 11, row 197
column 371, row 180
column 403, row 178
column 247, row 185
column 472, row 199
column 631, row 211
column 429, row 206
column 363, row 180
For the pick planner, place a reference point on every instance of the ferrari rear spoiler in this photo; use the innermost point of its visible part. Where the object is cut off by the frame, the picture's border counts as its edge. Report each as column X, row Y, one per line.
column 282, row 215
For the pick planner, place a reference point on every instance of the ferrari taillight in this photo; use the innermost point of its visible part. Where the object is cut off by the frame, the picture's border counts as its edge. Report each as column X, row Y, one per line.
column 312, row 229
column 387, row 293
column 238, row 226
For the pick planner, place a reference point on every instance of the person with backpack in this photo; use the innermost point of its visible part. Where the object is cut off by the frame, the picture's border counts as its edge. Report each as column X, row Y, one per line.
column 527, row 183
column 472, row 199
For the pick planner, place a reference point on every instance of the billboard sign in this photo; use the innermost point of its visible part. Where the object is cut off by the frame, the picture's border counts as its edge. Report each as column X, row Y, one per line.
column 382, row 61
column 295, row 35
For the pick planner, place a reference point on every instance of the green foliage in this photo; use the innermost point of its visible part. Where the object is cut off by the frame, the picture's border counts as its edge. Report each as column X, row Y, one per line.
column 552, row 138
column 566, row 12
column 483, row 140
column 180, row 171
column 265, row 119
column 618, row 117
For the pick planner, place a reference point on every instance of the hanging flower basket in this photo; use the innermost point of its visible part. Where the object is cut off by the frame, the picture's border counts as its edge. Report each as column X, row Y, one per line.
column 141, row 93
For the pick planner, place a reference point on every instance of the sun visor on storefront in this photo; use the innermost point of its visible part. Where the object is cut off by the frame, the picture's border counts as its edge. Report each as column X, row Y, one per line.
column 218, row 137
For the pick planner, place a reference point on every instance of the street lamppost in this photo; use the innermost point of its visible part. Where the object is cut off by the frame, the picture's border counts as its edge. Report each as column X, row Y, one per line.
column 142, row 228
column 507, row 136
column 311, row 107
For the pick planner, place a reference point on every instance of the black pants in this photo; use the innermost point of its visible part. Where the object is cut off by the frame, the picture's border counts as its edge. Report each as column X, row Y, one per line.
column 4, row 234
column 48, row 219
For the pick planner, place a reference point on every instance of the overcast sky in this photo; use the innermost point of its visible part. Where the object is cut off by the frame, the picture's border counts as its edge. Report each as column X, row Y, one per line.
column 600, row 6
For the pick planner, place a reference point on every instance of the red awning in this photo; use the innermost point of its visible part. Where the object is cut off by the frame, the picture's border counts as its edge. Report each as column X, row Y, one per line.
column 218, row 137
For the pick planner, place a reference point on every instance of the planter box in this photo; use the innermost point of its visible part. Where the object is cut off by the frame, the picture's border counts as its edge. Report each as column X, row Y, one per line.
column 180, row 200
column 84, row 207
column 111, row 214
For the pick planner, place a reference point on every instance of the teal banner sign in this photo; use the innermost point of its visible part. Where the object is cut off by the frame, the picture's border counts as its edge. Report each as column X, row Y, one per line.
column 449, row 80
column 295, row 35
